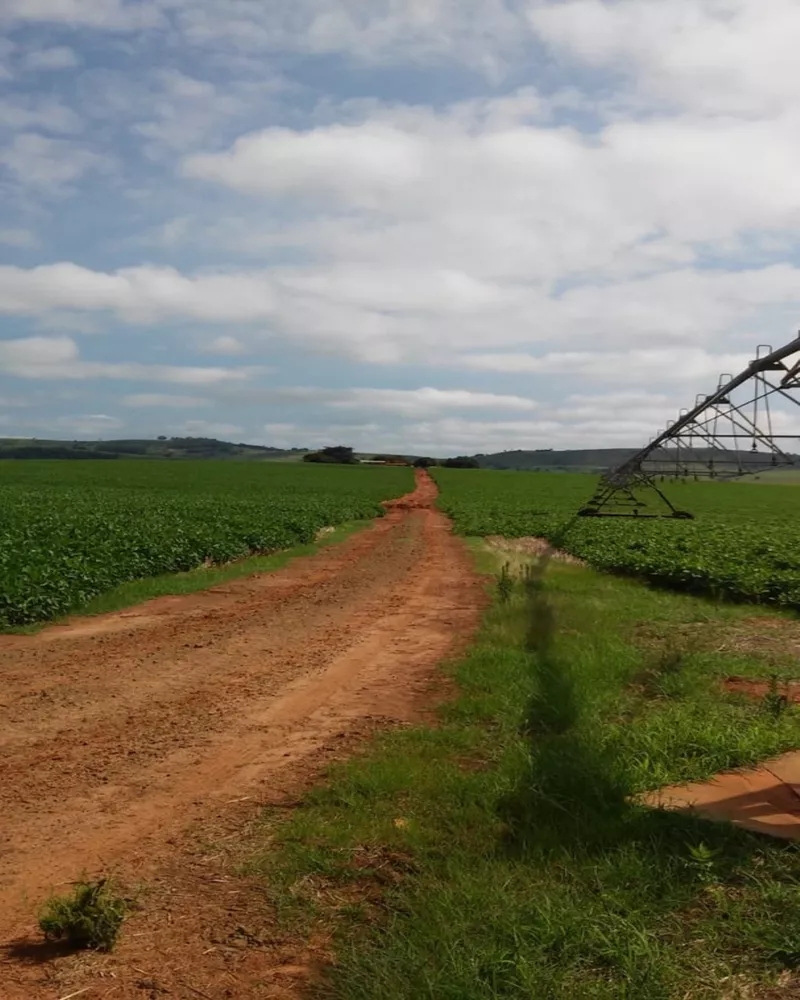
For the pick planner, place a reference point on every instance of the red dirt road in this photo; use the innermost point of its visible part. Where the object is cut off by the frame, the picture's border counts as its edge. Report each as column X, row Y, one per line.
column 119, row 734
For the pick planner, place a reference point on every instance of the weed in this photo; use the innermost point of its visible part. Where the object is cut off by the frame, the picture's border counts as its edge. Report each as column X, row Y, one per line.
column 775, row 703
column 505, row 584
column 702, row 862
column 90, row 917
column 661, row 678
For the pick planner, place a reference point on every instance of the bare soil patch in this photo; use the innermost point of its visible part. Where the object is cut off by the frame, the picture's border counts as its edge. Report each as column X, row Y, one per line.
column 759, row 689
column 137, row 743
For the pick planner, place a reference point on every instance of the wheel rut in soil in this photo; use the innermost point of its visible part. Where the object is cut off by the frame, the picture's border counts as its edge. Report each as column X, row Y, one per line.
column 121, row 734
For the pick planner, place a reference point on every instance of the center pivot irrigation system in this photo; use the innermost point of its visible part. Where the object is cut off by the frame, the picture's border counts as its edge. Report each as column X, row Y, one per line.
column 739, row 430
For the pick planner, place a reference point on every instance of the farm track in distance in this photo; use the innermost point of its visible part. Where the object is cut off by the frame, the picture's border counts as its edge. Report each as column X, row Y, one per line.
column 120, row 733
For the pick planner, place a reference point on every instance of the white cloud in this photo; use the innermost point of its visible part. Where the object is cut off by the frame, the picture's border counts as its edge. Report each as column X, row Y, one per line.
column 56, row 58
column 168, row 113
column 171, row 233
column 51, row 165
column 225, row 345
column 729, row 57
column 181, row 111
column 38, row 112
column 58, row 358
column 360, row 162
column 413, row 402
column 7, row 49
column 23, row 238
column 456, row 435
column 655, row 366
column 411, row 218
column 112, row 15
column 9, row 402
column 478, row 32
column 88, row 425
column 481, row 33
column 139, row 293
column 453, row 435
column 155, row 400
column 37, row 351
column 64, row 321
column 384, row 316
column 205, row 428
column 525, row 198
column 401, row 402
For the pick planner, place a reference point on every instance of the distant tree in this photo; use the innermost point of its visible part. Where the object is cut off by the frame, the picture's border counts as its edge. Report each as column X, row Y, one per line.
column 424, row 463
column 335, row 455
column 461, row 462
column 162, row 437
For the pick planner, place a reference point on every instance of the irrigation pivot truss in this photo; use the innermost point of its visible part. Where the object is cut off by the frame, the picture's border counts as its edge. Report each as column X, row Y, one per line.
column 740, row 429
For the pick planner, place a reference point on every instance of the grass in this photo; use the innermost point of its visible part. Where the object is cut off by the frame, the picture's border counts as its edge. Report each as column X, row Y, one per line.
column 138, row 591
column 90, row 917
column 499, row 855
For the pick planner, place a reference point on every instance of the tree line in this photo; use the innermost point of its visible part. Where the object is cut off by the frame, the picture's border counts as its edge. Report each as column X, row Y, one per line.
column 342, row 455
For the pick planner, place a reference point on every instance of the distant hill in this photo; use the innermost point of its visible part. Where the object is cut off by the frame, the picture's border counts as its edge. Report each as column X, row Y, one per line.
column 590, row 460
column 598, row 460
column 167, row 448
column 581, row 460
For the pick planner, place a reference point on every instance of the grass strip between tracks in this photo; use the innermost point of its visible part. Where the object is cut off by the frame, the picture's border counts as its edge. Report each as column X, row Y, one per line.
column 498, row 855
column 134, row 592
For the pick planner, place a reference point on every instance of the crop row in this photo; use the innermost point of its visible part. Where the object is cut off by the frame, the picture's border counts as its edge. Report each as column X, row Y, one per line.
column 743, row 543
column 70, row 531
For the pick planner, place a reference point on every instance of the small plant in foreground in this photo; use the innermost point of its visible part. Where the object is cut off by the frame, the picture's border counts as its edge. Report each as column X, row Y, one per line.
column 505, row 583
column 774, row 702
column 702, row 861
column 90, row 917
column 662, row 677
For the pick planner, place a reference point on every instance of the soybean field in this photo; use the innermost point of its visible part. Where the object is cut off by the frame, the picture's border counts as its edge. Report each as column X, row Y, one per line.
column 744, row 542
column 70, row 531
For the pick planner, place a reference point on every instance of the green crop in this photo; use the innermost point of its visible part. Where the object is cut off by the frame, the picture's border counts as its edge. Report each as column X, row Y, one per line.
column 72, row 530
column 744, row 541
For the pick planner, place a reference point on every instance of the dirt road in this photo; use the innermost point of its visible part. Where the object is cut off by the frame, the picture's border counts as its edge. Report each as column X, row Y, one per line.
column 120, row 733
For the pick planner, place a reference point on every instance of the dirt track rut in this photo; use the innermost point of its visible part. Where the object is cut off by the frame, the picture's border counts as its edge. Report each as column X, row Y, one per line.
column 118, row 733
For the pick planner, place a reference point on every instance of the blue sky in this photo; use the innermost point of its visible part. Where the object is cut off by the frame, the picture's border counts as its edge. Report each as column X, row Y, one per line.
column 430, row 226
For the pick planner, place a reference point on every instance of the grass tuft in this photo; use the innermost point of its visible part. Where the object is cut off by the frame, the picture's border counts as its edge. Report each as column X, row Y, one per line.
column 90, row 917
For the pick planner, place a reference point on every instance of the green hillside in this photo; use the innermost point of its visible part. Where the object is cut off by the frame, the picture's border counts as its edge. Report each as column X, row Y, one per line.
column 172, row 448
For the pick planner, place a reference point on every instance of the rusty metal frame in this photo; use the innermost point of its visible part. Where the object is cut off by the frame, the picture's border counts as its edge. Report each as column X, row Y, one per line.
column 630, row 489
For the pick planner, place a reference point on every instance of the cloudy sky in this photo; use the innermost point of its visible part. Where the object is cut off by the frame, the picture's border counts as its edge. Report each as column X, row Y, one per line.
column 432, row 226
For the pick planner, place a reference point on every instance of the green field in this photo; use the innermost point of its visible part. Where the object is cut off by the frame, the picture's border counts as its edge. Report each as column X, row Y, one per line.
column 744, row 541
column 70, row 531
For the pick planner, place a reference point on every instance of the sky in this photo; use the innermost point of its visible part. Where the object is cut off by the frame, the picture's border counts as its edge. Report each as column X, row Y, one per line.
column 426, row 226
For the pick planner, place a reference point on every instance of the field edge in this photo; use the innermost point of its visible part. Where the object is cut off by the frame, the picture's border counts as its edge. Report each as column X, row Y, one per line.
column 136, row 592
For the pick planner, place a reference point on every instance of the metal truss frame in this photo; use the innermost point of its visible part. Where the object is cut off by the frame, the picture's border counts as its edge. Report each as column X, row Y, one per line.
column 719, row 438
